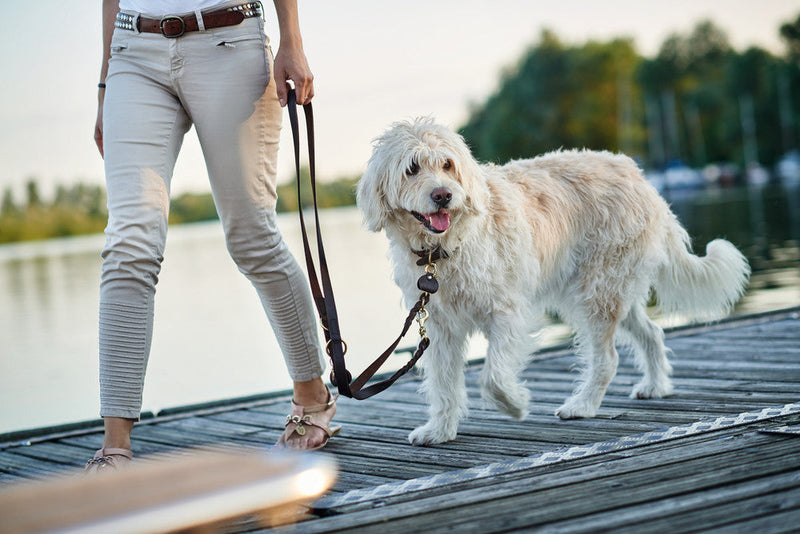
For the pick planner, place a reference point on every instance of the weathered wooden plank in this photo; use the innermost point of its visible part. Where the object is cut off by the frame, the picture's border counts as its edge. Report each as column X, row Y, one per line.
column 766, row 351
column 625, row 481
column 19, row 465
column 775, row 521
column 248, row 418
column 654, row 484
column 167, row 436
column 141, row 446
column 387, row 468
column 349, row 480
column 55, row 453
column 550, row 393
column 588, row 468
column 491, row 422
column 403, row 453
column 215, row 427
column 689, row 369
column 701, row 511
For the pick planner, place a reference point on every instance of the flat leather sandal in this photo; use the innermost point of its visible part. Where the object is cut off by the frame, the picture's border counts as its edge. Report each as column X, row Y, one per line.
column 108, row 459
column 304, row 416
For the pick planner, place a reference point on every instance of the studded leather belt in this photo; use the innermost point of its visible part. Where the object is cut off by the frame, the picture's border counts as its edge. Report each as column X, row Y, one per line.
column 172, row 26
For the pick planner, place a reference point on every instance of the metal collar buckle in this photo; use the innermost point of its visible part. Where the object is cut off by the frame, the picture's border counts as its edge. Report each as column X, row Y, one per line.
column 169, row 32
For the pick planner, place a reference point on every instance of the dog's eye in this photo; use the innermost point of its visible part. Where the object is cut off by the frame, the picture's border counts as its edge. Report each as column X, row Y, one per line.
column 413, row 169
column 447, row 165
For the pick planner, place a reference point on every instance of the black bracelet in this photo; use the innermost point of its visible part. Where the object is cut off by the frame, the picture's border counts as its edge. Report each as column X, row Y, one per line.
column 101, row 85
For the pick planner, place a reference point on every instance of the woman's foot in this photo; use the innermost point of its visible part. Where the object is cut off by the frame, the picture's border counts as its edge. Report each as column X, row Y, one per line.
column 108, row 459
column 308, row 426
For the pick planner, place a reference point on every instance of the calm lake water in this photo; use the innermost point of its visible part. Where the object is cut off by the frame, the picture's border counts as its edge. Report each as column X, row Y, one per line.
column 211, row 340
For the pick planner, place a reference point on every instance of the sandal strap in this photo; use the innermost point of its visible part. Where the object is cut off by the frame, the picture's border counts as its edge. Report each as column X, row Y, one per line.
column 304, row 421
column 105, row 458
column 111, row 451
column 316, row 408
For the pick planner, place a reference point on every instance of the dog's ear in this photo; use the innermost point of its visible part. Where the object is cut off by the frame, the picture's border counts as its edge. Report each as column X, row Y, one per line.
column 471, row 176
column 477, row 191
column 369, row 198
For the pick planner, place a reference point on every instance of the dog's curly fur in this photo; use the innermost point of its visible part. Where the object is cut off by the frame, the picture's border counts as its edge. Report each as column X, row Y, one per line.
column 579, row 233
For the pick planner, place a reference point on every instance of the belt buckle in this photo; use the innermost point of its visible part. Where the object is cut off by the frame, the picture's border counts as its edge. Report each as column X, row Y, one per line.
column 172, row 18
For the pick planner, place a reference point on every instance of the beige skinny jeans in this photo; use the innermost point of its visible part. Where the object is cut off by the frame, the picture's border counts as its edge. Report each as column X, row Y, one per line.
column 220, row 81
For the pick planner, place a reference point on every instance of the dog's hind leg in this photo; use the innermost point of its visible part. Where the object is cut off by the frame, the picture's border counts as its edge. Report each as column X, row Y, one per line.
column 443, row 385
column 506, row 357
column 647, row 340
column 597, row 346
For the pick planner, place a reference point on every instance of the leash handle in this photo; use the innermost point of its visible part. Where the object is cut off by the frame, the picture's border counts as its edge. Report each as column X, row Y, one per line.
column 322, row 290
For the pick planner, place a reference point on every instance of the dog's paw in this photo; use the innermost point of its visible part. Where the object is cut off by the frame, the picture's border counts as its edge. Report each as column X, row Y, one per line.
column 577, row 408
column 431, row 433
column 647, row 389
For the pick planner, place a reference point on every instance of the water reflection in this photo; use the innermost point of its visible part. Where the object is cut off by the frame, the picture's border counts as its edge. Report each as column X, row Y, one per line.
column 763, row 222
column 211, row 340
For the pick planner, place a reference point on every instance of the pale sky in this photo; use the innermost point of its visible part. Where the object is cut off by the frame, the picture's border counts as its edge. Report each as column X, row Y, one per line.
column 375, row 62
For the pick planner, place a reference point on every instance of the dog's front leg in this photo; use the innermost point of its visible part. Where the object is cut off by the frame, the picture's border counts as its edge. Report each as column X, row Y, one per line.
column 508, row 353
column 443, row 385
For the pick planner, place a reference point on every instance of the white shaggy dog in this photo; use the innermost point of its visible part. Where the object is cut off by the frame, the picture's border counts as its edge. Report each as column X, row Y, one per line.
column 580, row 233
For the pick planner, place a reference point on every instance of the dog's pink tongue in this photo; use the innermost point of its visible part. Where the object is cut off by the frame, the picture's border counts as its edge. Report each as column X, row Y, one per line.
column 440, row 220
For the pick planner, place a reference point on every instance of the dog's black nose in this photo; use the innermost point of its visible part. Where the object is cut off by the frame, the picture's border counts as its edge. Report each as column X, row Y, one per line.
column 441, row 196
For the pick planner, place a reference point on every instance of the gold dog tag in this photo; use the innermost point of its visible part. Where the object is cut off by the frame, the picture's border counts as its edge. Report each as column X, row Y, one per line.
column 300, row 430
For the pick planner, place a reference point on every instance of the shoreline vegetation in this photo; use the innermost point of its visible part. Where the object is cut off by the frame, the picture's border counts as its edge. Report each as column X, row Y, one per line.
column 80, row 209
column 699, row 104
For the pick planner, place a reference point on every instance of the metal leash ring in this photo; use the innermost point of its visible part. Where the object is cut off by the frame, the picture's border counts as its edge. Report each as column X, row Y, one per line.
column 328, row 347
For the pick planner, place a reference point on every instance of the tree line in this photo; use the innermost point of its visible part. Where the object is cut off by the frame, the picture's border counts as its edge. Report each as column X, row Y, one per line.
column 81, row 208
column 698, row 101
column 75, row 209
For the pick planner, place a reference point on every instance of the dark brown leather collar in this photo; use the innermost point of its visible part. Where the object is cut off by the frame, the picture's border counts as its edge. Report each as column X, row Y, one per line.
column 426, row 256
column 172, row 26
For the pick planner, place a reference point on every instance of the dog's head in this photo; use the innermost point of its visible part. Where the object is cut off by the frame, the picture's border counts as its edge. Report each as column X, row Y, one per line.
column 421, row 181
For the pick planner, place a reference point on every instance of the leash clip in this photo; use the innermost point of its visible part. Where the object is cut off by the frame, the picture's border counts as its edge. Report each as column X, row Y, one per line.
column 422, row 316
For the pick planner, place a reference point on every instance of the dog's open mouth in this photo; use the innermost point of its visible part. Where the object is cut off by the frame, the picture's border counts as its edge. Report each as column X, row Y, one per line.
column 436, row 222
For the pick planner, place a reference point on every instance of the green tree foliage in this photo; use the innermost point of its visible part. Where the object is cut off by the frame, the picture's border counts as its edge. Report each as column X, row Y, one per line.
column 690, row 109
column 9, row 205
column 689, row 103
column 340, row 192
column 81, row 208
column 790, row 32
column 558, row 96
column 78, row 209
column 34, row 200
column 192, row 207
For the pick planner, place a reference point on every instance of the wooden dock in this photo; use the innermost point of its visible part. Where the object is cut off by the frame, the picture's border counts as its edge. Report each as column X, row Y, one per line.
column 721, row 454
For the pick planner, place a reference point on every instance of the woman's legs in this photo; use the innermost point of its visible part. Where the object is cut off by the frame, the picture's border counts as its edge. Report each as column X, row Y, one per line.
column 117, row 432
column 233, row 103
column 144, row 125
column 237, row 117
column 236, row 113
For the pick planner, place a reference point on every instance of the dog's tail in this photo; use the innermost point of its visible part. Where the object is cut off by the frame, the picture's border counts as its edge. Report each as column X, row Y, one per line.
column 700, row 287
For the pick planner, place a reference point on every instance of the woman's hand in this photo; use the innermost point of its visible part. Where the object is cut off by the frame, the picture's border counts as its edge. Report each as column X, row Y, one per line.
column 291, row 64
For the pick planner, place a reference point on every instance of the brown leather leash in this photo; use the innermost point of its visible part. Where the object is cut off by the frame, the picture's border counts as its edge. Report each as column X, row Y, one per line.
column 322, row 290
